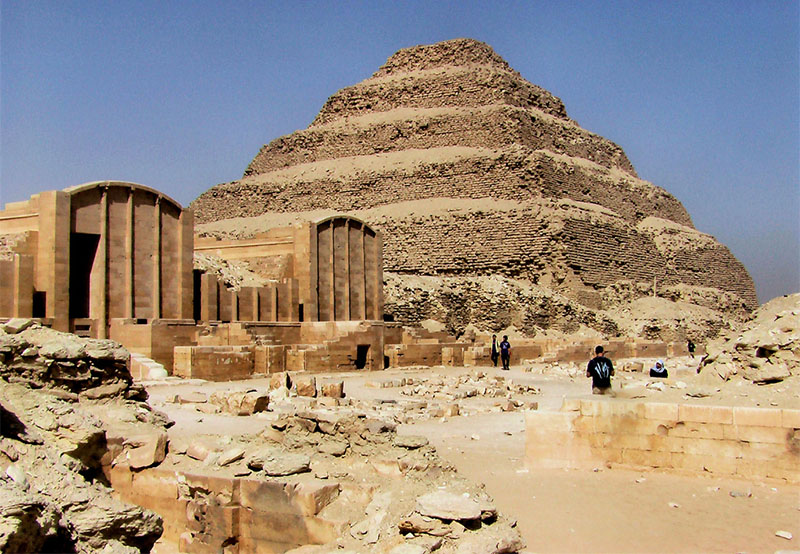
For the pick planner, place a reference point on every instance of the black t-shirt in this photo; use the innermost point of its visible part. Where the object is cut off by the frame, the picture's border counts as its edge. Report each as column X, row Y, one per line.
column 505, row 347
column 601, row 369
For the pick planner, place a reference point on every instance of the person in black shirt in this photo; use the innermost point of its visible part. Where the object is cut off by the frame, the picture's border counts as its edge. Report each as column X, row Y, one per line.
column 505, row 351
column 659, row 370
column 600, row 369
column 495, row 353
column 690, row 347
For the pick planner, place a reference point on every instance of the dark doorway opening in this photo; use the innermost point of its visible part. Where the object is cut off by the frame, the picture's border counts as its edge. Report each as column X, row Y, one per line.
column 82, row 250
column 362, row 356
column 196, row 293
column 40, row 303
column 300, row 312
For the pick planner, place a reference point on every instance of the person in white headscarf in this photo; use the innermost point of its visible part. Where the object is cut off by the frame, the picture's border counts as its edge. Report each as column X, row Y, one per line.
column 659, row 370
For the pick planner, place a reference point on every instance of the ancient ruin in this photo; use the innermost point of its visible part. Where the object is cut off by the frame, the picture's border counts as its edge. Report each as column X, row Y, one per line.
column 497, row 209
column 301, row 360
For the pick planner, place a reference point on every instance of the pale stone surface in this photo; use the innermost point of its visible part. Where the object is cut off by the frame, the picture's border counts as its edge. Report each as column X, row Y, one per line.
column 447, row 505
column 276, row 463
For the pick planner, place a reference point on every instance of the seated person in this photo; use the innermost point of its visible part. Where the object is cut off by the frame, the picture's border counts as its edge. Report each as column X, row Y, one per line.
column 659, row 370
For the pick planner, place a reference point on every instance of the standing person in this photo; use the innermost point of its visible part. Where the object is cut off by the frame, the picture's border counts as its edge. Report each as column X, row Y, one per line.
column 690, row 347
column 495, row 352
column 505, row 352
column 600, row 369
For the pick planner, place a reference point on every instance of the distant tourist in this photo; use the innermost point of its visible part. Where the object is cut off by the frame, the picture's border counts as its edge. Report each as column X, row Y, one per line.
column 505, row 351
column 690, row 347
column 495, row 351
column 600, row 369
column 659, row 370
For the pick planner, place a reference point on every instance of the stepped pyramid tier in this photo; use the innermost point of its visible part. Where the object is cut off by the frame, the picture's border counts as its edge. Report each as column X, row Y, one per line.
column 471, row 171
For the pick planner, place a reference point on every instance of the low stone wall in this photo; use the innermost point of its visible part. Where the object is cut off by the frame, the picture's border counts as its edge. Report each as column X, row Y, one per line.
column 214, row 363
column 724, row 440
column 257, row 515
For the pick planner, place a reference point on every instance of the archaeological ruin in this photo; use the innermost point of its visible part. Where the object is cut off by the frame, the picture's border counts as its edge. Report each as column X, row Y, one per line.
column 300, row 360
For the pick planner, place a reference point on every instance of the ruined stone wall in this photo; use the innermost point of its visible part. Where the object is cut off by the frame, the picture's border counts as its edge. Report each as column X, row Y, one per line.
column 515, row 174
column 487, row 127
column 476, row 86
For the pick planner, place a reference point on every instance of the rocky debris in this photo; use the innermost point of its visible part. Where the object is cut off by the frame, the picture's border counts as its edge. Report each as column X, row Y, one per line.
column 766, row 349
column 448, row 506
column 43, row 358
column 66, row 412
column 16, row 325
column 67, row 409
column 241, row 403
column 233, row 274
column 275, row 462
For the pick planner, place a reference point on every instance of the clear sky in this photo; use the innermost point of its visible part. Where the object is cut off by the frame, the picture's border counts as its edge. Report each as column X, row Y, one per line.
column 704, row 97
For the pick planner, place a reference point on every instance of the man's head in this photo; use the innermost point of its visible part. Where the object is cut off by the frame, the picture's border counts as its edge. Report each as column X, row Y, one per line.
column 505, row 337
column 494, row 337
column 598, row 351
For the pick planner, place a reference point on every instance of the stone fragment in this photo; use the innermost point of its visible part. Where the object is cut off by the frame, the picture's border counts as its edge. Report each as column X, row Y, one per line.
column 333, row 447
column 231, row 455
column 306, row 386
column 241, row 403
column 280, row 380
column 198, row 451
column 784, row 535
column 104, row 391
column 410, row 441
column 17, row 474
column 409, row 549
column 419, row 524
column 195, row 397
column 277, row 463
column 449, row 506
column 147, row 448
column 16, row 325
column 332, row 390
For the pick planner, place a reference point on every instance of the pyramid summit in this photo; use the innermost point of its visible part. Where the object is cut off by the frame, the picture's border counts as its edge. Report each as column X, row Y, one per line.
column 478, row 180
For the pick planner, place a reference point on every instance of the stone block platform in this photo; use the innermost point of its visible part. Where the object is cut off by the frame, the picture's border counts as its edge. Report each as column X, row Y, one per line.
column 729, row 441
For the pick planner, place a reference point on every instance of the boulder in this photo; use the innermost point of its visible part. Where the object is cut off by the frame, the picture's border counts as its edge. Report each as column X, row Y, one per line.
column 277, row 463
column 332, row 390
column 148, row 448
column 410, row 441
column 16, row 325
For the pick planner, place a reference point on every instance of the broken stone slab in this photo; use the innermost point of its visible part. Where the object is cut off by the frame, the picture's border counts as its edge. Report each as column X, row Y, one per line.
column 16, row 325
column 276, row 463
column 104, row 391
column 410, row 442
column 198, row 451
column 190, row 398
column 332, row 390
column 448, row 506
column 767, row 373
column 306, row 386
column 419, row 524
column 231, row 455
column 488, row 544
column 311, row 496
column 280, row 380
column 333, row 447
column 147, row 448
column 241, row 403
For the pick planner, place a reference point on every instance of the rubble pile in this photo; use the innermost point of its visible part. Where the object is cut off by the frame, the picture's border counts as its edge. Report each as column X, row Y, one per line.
column 67, row 409
column 375, row 490
column 765, row 349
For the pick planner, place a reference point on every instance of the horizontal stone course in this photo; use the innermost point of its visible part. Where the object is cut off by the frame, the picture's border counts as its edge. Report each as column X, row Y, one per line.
column 691, row 437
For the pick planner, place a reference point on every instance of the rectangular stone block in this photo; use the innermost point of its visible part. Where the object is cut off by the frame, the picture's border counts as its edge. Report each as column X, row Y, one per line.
column 661, row 411
column 790, row 418
column 697, row 430
column 762, row 452
column 760, row 417
column 705, row 414
column 719, row 448
column 769, row 435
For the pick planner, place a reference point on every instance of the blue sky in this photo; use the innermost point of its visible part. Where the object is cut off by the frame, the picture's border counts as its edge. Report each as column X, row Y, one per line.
column 704, row 97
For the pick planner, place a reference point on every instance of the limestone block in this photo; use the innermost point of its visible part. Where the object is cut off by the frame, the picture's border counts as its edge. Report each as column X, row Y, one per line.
column 723, row 448
column 306, row 386
column 762, row 417
column 705, row 414
column 310, row 497
column 696, row 430
column 790, row 418
column 449, row 506
column 148, row 448
column 768, row 435
column 281, row 379
column 16, row 325
column 661, row 410
column 332, row 390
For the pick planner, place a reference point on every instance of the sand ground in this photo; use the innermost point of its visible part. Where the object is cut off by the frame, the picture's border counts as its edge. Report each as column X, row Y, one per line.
column 606, row 510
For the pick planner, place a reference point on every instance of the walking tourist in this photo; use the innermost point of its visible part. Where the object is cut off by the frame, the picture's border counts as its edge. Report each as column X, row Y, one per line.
column 495, row 352
column 600, row 369
column 505, row 352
